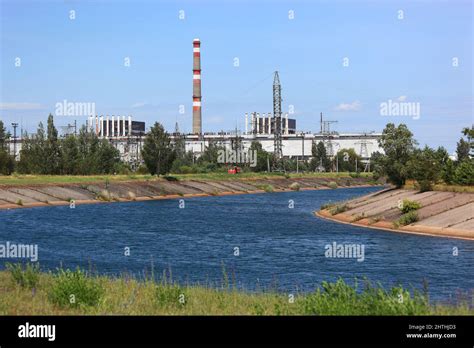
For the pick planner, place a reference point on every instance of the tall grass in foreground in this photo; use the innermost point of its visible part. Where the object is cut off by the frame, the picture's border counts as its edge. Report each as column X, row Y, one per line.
column 97, row 295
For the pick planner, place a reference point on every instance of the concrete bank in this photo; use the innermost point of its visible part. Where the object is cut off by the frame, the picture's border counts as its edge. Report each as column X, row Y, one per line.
column 442, row 214
column 26, row 196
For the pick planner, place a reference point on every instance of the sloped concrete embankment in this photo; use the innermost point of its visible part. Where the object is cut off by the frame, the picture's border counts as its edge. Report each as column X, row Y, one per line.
column 62, row 194
column 448, row 214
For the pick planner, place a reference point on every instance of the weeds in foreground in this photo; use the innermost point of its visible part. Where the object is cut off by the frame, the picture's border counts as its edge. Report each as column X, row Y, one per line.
column 99, row 295
column 27, row 276
column 75, row 289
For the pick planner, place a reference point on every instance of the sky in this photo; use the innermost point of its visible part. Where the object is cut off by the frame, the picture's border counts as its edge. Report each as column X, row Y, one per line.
column 342, row 58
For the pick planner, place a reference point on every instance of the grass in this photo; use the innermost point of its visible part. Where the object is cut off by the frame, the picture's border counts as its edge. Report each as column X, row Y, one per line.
column 337, row 209
column 96, row 295
column 406, row 219
column 412, row 185
column 408, row 206
column 19, row 179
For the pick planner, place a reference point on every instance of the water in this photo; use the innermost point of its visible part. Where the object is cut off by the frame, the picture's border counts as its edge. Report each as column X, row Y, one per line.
column 279, row 247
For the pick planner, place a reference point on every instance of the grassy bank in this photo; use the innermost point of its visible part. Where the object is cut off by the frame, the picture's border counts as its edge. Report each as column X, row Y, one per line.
column 27, row 292
column 18, row 179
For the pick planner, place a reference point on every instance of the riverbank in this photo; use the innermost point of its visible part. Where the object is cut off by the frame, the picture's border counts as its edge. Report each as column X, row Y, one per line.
column 31, row 293
column 37, row 192
column 441, row 214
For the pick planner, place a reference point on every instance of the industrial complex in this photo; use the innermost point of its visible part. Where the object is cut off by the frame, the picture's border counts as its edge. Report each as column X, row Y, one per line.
column 277, row 132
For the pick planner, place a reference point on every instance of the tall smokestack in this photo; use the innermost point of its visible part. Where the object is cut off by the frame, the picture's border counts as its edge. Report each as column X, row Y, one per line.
column 197, row 127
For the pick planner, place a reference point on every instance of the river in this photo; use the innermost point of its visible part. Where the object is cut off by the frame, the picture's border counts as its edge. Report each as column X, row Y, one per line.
column 269, row 240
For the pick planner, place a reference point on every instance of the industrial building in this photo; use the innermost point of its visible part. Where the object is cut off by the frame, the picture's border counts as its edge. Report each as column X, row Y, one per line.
column 276, row 132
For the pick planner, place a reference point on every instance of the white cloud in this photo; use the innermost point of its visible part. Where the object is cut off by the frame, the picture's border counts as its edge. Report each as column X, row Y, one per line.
column 139, row 105
column 354, row 106
column 402, row 98
column 20, row 106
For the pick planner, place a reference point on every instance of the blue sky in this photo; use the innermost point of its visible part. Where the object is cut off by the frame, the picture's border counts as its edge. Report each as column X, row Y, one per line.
column 82, row 60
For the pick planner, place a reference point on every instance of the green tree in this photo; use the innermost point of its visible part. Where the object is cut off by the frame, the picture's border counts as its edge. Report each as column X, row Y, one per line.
column 263, row 157
column 346, row 160
column 7, row 163
column 320, row 160
column 52, row 151
column 464, row 174
column 398, row 145
column 70, row 155
column 425, row 167
column 108, row 157
column 157, row 152
column 462, row 150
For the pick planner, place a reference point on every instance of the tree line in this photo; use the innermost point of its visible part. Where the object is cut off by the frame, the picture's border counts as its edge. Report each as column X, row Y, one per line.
column 46, row 153
column 85, row 154
column 403, row 160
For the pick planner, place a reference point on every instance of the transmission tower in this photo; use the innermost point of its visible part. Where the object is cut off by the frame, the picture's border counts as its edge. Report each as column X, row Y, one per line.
column 364, row 153
column 277, row 146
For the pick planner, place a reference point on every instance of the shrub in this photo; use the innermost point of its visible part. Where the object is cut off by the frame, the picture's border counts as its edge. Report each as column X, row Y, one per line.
column 75, row 289
column 464, row 173
column 131, row 196
column 266, row 187
column 407, row 219
column 408, row 206
column 170, row 295
column 171, row 178
column 358, row 217
column 341, row 299
column 295, row 186
column 104, row 195
column 327, row 205
column 19, row 202
column 340, row 208
column 25, row 276
column 332, row 185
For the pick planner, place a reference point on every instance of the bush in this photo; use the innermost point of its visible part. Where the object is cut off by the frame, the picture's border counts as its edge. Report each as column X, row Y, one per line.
column 295, row 186
column 170, row 295
column 75, row 289
column 332, row 185
column 408, row 206
column 266, row 188
column 464, row 173
column 341, row 299
column 27, row 276
column 407, row 219
column 340, row 208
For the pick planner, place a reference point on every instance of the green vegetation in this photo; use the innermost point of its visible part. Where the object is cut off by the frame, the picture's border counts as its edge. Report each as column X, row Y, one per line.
column 320, row 161
column 157, row 152
column 332, row 184
column 75, row 289
column 408, row 206
column 27, row 276
column 266, row 187
column 84, row 154
column 295, row 186
column 429, row 167
column 96, row 295
column 339, row 208
column 346, row 161
column 406, row 219
column 7, row 163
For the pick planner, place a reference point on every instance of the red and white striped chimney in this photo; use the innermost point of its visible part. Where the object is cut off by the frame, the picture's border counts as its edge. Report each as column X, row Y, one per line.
column 197, row 128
